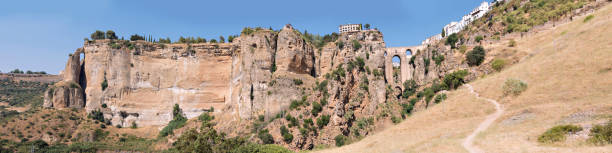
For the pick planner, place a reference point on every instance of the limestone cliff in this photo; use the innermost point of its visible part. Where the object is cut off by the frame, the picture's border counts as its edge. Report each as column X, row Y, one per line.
column 259, row 74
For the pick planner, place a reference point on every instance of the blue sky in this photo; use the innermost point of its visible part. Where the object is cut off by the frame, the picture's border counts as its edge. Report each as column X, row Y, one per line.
column 38, row 35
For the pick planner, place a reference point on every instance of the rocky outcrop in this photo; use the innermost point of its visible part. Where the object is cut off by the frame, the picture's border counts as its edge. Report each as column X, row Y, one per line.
column 67, row 93
column 294, row 54
column 64, row 95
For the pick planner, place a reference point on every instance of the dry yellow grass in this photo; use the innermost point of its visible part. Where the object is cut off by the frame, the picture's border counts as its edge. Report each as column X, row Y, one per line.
column 569, row 73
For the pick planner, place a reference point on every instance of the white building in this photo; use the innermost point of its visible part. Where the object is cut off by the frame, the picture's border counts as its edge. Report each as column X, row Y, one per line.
column 432, row 39
column 349, row 28
column 477, row 13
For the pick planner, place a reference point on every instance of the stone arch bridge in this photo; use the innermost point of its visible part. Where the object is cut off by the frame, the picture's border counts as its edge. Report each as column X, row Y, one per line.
column 403, row 68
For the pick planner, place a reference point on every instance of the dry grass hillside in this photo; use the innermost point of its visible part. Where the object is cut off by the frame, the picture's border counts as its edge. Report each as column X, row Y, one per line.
column 568, row 69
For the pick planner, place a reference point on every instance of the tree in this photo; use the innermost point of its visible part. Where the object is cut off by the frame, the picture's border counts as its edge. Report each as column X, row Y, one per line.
column 97, row 35
column 221, row 39
column 136, row 37
column 476, row 56
column 230, row 38
column 110, row 34
column 443, row 33
column 367, row 26
column 452, row 40
column 213, row 41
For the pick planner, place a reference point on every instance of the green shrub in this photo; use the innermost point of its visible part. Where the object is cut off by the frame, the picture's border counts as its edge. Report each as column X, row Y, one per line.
column 134, row 125
column 98, row 35
column 514, row 87
column 265, row 137
column 316, row 109
column 588, row 18
column 601, row 134
column 476, row 56
column 104, row 83
column 454, row 80
column 479, row 38
column 356, row 45
column 247, row 31
column 257, row 148
column 438, row 59
column 440, row 98
column 136, row 37
column 462, row 49
column 177, row 122
column 287, row 136
column 557, row 133
column 511, row 43
column 322, row 121
column 396, row 119
column 340, row 45
column 340, row 140
column 498, row 64
column 452, row 40
column 410, row 87
column 110, row 34
column 292, row 120
column 96, row 115
column 298, row 82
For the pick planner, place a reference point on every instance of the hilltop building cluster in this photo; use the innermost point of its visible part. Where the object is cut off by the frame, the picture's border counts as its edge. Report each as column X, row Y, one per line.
column 455, row 27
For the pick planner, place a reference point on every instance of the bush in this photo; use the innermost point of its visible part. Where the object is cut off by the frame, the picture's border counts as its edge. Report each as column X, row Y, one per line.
column 440, row 98
column 247, row 31
column 557, row 133
column 136, row 37
column 134, row 125
column 287, row 137
column 316, row 109
column 462, row 49
column 356, row 45
column 601, row 134
column 298, row 82
column 110, row 34
column 177, row 122
column 340, row 45
column 96, row 115
column 265, row 137
column 511, row 43
column 438, row 59
column 340, row 140
column 452, row 40
column 104, row 84
column 479, row 38
column 476, row 56
column 498, row 64
column 410, row 87
column 396, row 119
column 98, row 35
column 514, row 87
column 454, row 80
column 589, row 18
column 322, row 121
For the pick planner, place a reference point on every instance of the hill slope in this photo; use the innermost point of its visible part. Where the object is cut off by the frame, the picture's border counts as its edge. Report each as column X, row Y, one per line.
column 568, row 70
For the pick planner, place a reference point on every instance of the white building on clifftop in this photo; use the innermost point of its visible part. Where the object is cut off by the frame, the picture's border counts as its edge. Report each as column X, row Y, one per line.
column 349, row 28
column 477, row 13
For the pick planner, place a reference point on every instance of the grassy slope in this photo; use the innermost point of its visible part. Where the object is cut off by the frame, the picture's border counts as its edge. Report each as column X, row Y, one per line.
column 568, row 72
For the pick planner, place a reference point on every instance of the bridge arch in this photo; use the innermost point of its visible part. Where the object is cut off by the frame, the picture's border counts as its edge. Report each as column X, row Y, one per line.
column 401, row 68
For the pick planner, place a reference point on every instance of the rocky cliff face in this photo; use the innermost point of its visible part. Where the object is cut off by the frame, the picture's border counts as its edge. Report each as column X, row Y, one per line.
column 261, row 73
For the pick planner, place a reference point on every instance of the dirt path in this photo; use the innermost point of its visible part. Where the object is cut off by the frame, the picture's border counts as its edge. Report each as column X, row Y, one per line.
column 468, row 143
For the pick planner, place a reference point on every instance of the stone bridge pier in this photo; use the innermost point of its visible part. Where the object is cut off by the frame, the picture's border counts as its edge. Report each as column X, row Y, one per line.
column 405, row 69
